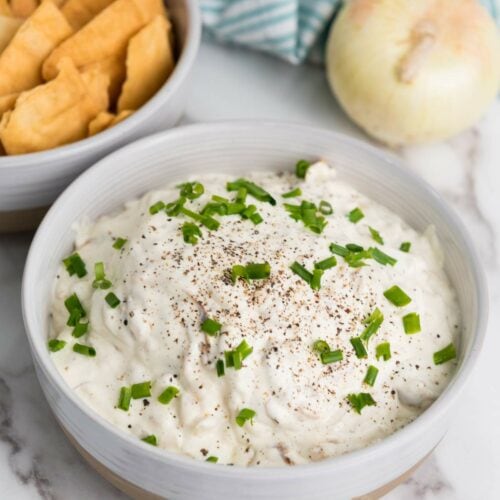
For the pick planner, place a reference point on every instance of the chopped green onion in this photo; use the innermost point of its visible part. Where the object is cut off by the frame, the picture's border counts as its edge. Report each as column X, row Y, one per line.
column 100, row 277
column 353, row 247
column 321, row 346
column 56, row 345
column 219, row 366
column 112, row 300
column 244, row 349
column 119, row 243
column 359, row 348
column 316, row 279
column 151, row 440
column 248, row 211
column 124, row 398
column 141, row 390
column 405, row 246
column 206, row 220
column 397, row 296
column 252, row 189
column 235, row 357
column 212, row 459
column 325, row 208
column 191, row 190
column 339, row 250
column 372, row 323
column 360, row 400
column 381, row 257
column 307, row 213
column 411, row 323
column 252, row 271
column 241, row 196
column 211, row 327
column 376, row 235
column 80, row 330
column 191, row 232
column 301, row 168
column 85, row 350
column 244, row 415
column 326, row 264
column 355, row 215
column 383, row 350
column 174, row 208
column 331, row 356
column 301, row 271
column 75, row 309
column 168, row 394
column 371, row 375
column 444, row 355
column 256, row 218
column 155, row 208
column 75, row 265
column 293, row 193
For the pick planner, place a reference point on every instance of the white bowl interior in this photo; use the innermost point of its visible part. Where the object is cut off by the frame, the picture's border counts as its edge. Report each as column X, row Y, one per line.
column 237, row 148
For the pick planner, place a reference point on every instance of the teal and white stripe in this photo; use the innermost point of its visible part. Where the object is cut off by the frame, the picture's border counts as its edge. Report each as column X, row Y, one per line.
column 290, row 29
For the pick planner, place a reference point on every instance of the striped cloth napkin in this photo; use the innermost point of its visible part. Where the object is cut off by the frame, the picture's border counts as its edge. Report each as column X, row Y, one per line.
column 291, row 29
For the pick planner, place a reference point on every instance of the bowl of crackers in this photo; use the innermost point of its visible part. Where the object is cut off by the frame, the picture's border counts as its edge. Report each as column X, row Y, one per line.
column 78, row 79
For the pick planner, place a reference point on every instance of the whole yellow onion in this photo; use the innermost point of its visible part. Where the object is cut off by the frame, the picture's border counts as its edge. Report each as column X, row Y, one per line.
column 412, row 71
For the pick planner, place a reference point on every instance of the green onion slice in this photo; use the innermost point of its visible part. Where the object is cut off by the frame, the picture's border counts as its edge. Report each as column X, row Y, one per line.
column 151, row 439
column 168, row 394
column 191, row 190
column 316, row 279
column 372, row 322
column 331, row 356
column 301, row 168
column 219, row 366
column 411, row 323
column 84, row 350
column 75, row 265
column 124, row 398
column 381, row 257
column 371, row 375
column 355, row 215
column 397, row 296
column 156, row 207
column 325, row 208
column 56, row 345
column 252, row 189
column 119, row 243
column 141, row 390
column 80, row 329
column 307, row 213
column 252, row 271
column 353, row 247
column 212, row 459
column 376, row 235
column 326, row 264
column 112, row 300
column 444, row 355
column 244, row 415
column 293, row 193
column 191, row 232
column 360, row 400
column 405, row 246
column 75, row 309
column 302, row 272
column 100, row 277
column 359, row 348
column 321, row 346
column 339, row 250
column 383, row 350
column 211, row 327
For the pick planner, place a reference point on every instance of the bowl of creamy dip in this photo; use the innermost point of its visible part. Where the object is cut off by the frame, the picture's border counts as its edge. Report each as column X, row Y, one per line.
column 254, row 310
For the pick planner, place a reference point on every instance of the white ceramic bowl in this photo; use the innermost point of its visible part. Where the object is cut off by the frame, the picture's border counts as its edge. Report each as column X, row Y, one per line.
column 35, row 180
column 237, row 148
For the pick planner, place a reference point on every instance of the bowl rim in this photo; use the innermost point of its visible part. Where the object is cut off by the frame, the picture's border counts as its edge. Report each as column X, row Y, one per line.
column 380, row 448
column 93, row 143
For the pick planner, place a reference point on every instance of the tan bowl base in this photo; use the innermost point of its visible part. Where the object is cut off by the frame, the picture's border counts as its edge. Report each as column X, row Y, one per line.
column 21, row 220
column 140, row 494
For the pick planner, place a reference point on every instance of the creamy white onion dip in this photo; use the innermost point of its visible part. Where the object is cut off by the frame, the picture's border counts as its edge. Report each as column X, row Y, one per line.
column 167, row 288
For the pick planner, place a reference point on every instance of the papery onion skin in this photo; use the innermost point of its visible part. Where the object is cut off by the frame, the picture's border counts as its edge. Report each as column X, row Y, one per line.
column 414, row 71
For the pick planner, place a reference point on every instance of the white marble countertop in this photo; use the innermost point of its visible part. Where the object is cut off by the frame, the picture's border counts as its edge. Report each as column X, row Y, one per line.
column 36, row 460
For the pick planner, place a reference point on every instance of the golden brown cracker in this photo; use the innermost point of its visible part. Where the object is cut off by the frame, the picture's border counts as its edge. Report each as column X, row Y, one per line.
column 7, row 102
column 106, row 35
column 80, row 12
column 8, row 28
column 23, row 8
column 149, row 63
column 54, row 113
column 106, row 120
column 22, row 59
